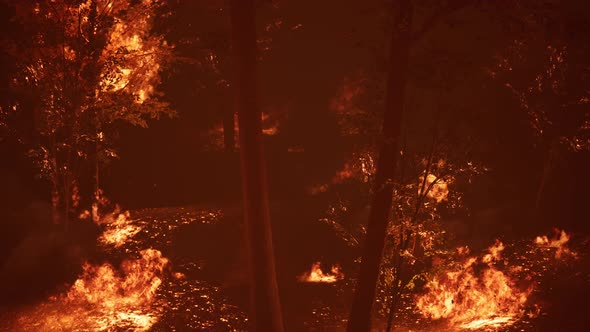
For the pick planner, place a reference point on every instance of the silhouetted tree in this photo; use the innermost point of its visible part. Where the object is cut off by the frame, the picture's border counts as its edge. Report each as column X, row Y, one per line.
column 265, row 305
column 360, row 315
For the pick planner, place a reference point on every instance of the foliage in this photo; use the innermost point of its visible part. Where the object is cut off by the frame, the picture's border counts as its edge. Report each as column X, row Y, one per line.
column 550, row 92
column 87, row 66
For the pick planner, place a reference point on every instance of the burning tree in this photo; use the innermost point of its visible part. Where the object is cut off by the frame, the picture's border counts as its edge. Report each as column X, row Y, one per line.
column 86, row 67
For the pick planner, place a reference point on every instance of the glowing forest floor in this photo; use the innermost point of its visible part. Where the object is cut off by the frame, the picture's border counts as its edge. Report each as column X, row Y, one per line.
column 199, row 281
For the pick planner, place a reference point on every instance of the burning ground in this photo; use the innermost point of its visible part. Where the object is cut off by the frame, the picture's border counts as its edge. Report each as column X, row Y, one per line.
column 147, row 280
column 137, row 288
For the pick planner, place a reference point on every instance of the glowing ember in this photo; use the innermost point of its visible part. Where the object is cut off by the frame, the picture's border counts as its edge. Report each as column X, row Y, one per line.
column 471, row 299
column 317, row 275
column 558, row 242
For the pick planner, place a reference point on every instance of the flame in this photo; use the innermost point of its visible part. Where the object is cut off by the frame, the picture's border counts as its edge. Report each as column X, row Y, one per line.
column 317, row 275
column 439, row 190
column 103, row 298
column 130, row 41
column 472, row 300
column 359, row 167
column 102, row 285
column 119, row 228
column 558, row 242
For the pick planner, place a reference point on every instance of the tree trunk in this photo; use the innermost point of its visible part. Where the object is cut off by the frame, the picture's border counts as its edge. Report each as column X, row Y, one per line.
column 360, row 315
column 265, row 306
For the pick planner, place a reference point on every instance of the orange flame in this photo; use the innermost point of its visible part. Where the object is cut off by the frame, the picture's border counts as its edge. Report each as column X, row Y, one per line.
column 317, row 275
column 473, row 300
column 558, row 242
column 439, row 191
column 119, row 228
column 103, row 298
column 103, row 286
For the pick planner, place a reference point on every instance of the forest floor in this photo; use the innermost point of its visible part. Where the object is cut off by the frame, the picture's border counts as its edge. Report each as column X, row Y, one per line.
column 199, row 283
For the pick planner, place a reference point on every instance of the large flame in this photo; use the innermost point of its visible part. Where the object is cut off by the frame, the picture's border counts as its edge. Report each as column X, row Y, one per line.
column 130, row 41
column 470, row 299
column 103, row 298
column 134, row 286
column 317, row 275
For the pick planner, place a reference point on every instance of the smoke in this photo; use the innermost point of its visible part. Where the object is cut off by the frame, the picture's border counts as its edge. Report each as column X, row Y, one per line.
column 37, row 257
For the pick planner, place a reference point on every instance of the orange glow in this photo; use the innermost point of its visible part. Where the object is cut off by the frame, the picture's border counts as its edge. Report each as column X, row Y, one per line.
column 270, row 124
column 344, row 174
column 344, row 100
column 359, row 167
column 317, row 275
column 473, row 300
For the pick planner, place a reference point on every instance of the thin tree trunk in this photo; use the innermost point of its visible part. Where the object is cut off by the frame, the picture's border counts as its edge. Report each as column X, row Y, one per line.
column 360, row 315
column 265, row 306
